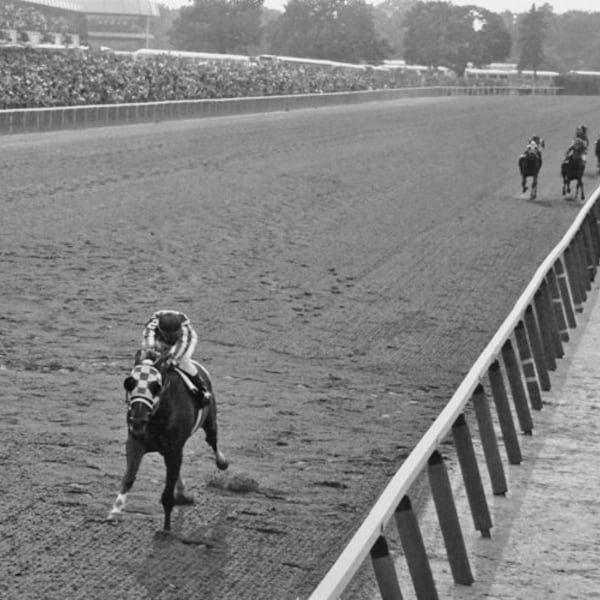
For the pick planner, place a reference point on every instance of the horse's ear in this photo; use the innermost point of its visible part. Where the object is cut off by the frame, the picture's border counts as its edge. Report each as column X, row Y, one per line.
column 129, row 384
column 154, row 387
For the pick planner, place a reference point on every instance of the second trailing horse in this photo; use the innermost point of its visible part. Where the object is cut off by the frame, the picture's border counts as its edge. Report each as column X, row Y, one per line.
column 530, row 163
column 573, row 168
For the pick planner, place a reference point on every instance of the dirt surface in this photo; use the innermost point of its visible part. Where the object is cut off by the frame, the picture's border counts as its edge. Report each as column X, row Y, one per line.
column 344, row 268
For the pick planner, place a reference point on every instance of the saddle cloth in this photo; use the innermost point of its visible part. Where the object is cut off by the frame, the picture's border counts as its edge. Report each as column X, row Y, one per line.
column 202, row 414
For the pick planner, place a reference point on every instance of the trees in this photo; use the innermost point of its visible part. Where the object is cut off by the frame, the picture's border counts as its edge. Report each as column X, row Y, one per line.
column 389, row 17
column 532, row 32
column 440, row 34
column 223, row 26
column 339, row 30
column 491, row 40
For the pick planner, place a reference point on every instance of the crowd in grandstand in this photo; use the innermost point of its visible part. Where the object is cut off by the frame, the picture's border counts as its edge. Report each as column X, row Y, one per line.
column 23, row 18
column 32, row 78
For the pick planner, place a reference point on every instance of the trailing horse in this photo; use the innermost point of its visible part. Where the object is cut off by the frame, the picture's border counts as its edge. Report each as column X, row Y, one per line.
column 530, row 163
column 162, row 413
column 572, row 169
column 597, row 152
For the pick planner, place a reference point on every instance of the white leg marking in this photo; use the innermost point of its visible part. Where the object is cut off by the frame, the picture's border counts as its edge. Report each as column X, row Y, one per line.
column 118, row 506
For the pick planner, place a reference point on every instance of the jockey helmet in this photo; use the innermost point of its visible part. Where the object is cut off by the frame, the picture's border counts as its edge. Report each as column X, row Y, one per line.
column 169, row 327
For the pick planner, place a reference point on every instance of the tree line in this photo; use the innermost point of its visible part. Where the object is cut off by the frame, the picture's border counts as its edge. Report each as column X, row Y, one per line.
column 435, row 33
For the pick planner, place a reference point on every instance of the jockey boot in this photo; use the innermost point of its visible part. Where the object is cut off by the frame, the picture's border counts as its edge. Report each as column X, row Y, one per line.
column 203, row 396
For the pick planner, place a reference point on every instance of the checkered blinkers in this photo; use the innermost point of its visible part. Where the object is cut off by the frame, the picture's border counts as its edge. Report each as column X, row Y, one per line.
column 144, row 384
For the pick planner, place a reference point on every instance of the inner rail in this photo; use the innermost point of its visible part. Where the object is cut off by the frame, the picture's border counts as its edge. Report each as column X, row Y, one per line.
column 523, row 352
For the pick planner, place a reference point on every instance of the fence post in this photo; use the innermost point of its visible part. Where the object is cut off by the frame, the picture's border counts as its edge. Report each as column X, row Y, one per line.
column 385, row 573
column 563, row 286
column 507, row 426
column 516, row 387
column 592, row 229
column 594, row 224
column 553, row 328
column 588, row 249
column 576, row 286
column 448, row 518
column 557, row 303
column 528, row 366
column 581, row 263
column 545, row 329
column 414, row 551
column 489, row 442
column 470, row 472
column 536, row 347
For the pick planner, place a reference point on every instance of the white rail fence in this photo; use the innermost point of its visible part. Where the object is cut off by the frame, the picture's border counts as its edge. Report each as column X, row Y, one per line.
column 29, row 120
column 523, row 352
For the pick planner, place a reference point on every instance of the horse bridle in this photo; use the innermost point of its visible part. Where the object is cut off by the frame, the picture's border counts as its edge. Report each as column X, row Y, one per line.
column 144, row 375
column 151, row 403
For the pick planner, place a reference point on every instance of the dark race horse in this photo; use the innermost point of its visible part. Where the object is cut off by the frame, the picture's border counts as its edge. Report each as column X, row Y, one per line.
column 597, row 152
column 162, row 413
column 530, row 163
column 572, row 169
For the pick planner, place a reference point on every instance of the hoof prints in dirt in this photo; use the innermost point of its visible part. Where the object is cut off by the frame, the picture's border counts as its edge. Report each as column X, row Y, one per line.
column 240, row 484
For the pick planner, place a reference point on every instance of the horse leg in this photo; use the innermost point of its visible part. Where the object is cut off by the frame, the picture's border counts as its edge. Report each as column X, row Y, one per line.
column 580, row 186
column 533, row 188
column 135, row 452
column 181, row 495
column 173, row 462
column 210, row 429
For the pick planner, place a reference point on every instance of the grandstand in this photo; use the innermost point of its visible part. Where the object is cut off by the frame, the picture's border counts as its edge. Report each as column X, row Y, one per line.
column 117, row 24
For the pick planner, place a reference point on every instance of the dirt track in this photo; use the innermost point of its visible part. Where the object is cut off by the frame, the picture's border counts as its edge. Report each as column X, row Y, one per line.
column 344, row 267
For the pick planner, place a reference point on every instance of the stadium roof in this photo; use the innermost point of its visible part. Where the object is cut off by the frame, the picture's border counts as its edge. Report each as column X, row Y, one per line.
column 145, row 8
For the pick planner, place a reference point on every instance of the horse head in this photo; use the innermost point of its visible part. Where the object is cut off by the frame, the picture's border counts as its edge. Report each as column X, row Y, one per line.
column 142, row 393
column 538, row 141
column 533, row 148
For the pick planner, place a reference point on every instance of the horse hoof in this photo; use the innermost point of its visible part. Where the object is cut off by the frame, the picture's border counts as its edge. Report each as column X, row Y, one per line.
column 163, row 534
column 221, row 462
column 114, row 517
column 183, row 500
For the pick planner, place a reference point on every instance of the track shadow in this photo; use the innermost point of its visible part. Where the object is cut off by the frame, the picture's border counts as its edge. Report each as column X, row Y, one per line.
column 186, row 565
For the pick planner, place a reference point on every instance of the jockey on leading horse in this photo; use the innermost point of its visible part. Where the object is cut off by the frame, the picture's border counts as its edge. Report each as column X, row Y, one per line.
column 168, row 335
column 535, row 144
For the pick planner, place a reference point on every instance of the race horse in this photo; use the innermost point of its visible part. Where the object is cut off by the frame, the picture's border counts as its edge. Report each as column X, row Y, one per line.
column 162, row 414
column 530, row 163
column 572, row 169
column 597, row 152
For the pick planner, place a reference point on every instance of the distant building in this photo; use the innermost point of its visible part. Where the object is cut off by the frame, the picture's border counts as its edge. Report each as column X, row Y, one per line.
column 117, row 24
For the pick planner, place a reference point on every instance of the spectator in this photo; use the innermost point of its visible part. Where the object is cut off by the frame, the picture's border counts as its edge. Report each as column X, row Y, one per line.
column 34, row 78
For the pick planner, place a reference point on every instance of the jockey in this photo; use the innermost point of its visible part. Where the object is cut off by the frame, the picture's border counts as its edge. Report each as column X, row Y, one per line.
column 578, row 146
column 169, row 334
column 535, row 143
column 581, row 133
